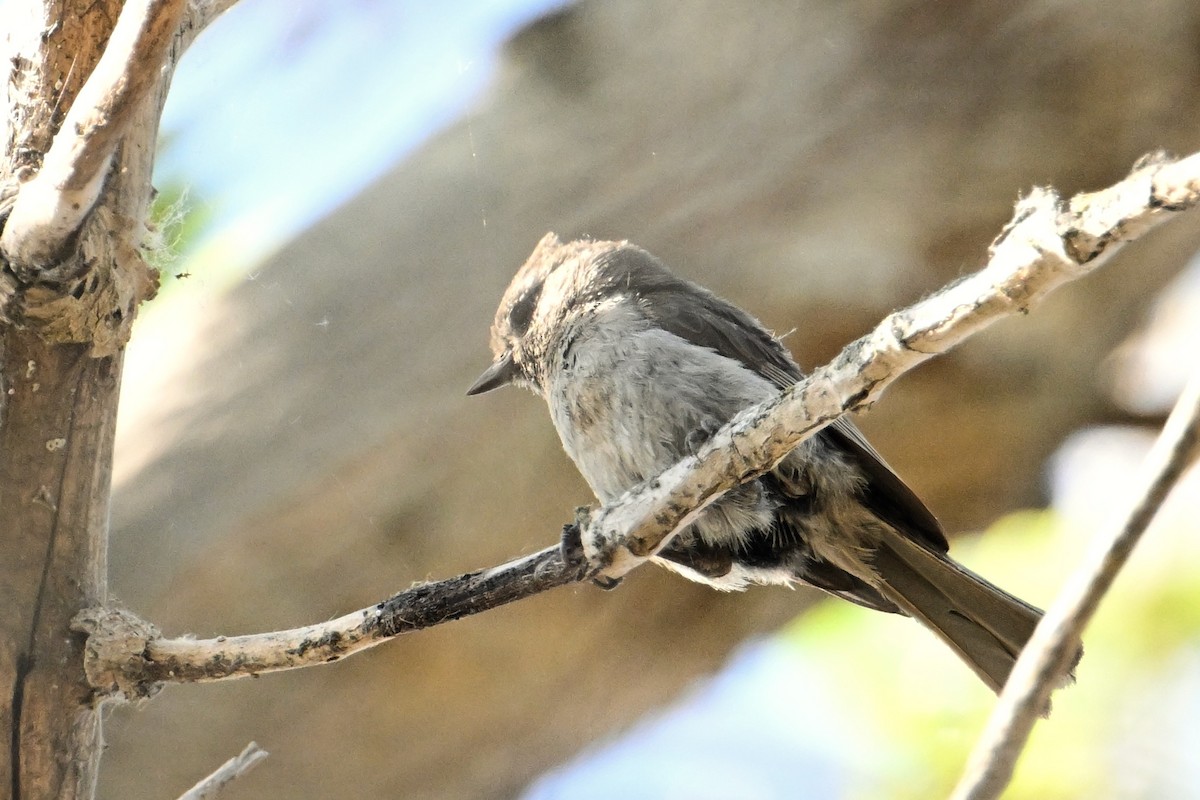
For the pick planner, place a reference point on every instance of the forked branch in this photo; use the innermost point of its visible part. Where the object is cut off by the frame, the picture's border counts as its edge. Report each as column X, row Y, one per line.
column 52, row 206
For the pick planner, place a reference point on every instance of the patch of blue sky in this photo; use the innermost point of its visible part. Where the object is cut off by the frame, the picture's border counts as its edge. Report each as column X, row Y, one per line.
column 285, row 108
column 767, row 726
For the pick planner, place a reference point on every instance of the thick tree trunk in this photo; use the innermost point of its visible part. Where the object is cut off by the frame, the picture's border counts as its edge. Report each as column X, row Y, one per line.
column 56, row 437
column 56, row 432
column 67, row 299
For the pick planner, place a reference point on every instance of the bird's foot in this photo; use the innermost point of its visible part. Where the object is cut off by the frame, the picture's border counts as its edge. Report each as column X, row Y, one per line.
column 571, row 545
column 698, row 436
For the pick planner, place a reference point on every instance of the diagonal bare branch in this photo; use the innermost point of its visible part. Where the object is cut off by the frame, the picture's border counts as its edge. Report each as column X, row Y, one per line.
column 1045, row 245
column 990, row 766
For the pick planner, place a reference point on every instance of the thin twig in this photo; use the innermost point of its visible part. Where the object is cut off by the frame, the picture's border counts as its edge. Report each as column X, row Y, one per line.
column 1047, row 244
column 234, row 768
column 51, row 207
column 142, row 658
column 990, row 766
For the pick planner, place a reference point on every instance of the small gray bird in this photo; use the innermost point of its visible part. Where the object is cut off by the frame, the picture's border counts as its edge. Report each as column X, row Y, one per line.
column 640, row 367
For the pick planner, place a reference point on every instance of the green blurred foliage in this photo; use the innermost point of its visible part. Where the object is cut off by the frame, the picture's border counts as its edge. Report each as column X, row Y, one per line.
column 175, row 224
column 927, row 708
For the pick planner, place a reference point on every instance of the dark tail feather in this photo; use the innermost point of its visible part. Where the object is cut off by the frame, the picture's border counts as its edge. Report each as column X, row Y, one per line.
column 985, row 625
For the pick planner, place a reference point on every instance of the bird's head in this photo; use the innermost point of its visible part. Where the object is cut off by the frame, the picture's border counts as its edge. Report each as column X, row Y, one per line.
column 557, row 283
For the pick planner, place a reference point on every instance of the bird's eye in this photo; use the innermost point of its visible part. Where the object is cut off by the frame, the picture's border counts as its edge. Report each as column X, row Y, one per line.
column 521, row 313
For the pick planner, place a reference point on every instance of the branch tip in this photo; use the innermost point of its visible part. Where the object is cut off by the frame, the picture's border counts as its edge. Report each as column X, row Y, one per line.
column 232, row 769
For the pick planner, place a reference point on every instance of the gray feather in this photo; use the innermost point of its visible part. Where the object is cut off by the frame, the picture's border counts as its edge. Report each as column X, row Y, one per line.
column 639, row 367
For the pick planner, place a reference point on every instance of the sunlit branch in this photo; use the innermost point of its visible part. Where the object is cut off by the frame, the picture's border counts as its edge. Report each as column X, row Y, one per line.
column 1053, row 644
column 1047, row 243
column 127, row 656
column 50, row 207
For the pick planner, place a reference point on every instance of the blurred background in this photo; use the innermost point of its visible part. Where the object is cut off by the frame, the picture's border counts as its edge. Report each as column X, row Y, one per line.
column 345, row 191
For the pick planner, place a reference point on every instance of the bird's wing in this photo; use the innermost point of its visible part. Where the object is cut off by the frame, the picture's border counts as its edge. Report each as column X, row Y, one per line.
column 702, row 318
column 888, row 495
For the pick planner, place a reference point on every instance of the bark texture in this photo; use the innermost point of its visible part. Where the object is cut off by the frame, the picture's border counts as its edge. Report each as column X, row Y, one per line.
column 69, row 291
column 57, row 423
column 59, row 415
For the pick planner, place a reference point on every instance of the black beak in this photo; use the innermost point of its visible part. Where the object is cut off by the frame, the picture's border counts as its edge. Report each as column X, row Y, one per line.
column 500, row 373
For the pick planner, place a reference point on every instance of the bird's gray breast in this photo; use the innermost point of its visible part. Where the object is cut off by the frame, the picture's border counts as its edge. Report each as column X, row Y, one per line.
column 629, row 399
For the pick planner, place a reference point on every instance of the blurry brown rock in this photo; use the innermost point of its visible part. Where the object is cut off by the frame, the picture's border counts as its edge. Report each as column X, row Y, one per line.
column 819, row 163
